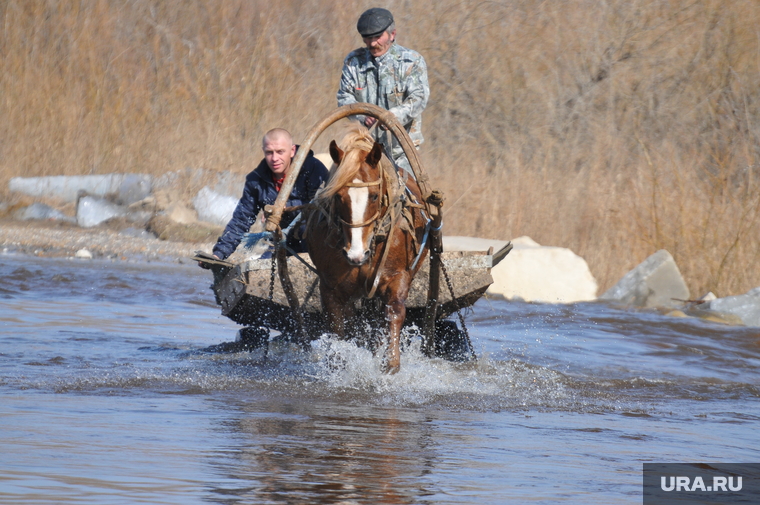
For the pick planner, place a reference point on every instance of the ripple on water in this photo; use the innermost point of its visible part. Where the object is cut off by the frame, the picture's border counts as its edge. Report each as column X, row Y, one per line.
column 337, row 368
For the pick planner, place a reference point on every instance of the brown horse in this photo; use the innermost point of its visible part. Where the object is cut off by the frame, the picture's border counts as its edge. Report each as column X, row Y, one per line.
column 366, row 237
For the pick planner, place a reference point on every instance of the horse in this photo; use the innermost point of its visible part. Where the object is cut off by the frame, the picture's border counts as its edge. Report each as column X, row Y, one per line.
column 366, row 237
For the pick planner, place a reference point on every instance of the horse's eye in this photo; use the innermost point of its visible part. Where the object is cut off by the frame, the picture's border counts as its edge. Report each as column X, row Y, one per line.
column 374, row 197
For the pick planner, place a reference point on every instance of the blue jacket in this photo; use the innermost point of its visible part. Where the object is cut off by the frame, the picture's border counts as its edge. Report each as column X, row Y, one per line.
column 259, row 191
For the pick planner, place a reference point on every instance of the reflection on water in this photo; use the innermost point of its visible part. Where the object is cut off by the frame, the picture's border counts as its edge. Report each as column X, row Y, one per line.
column 346, row 454
column 108, row 397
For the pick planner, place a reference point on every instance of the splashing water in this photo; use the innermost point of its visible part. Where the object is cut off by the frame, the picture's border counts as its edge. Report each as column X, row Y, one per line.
column 104, row 372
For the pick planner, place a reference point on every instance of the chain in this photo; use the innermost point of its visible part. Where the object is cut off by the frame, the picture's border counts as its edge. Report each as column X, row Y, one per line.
column 459, row 310
column 274, row 269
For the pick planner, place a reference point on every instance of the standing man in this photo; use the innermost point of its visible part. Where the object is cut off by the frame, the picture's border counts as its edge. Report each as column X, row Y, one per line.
column 388, row 75
column 263, row 185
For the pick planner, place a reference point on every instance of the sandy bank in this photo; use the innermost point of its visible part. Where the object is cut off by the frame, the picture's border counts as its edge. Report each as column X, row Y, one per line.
column 61, row 240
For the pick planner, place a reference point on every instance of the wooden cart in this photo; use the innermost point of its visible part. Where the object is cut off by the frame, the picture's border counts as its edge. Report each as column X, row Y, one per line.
column 242, row 291
column 249, row 295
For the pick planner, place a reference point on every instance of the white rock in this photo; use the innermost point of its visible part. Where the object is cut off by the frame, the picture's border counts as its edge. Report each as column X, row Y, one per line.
column 746, row 306
column 213, row 207
column 91, row 211
column 66, row 187
column 532, row 272
column 42, row 212
column 83, row 254
column 133, row 188
column 655, row 282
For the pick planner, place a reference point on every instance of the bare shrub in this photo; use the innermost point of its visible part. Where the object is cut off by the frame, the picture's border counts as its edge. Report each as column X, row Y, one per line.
column 612, row 127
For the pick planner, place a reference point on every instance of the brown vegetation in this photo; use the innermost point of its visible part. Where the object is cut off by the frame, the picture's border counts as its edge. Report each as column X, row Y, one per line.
column 612, row 127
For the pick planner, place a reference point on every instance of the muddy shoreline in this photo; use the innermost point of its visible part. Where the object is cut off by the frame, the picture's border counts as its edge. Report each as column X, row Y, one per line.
column 55, row 239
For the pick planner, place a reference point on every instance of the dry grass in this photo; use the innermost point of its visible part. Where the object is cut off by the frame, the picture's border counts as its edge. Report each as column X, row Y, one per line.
column 612, row 127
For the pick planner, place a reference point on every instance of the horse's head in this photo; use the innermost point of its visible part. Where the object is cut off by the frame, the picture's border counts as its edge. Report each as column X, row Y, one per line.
column 358, row 201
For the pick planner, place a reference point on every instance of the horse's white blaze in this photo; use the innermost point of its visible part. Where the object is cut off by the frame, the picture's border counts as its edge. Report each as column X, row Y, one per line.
column 359, row 198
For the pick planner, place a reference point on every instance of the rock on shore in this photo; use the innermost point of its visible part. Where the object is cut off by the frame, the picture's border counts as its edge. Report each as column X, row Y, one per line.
column 121, row 216
column 532, row 272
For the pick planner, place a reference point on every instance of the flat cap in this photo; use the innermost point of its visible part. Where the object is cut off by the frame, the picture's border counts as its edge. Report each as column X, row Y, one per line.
column 374, row 22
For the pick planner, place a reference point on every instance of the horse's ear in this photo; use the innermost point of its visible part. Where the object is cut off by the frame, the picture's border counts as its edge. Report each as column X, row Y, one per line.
column 373, row 158
column 335, row 153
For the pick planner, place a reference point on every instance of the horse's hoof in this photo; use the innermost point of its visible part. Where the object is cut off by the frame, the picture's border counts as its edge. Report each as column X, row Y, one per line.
column 391, row 368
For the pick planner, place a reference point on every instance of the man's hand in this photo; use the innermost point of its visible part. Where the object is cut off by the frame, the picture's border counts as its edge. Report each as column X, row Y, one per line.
column 205, row 265
column 369, row 121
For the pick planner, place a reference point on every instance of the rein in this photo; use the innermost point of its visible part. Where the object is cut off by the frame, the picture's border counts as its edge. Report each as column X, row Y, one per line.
column 363, row 184
column 361, row 225
column 386, row 248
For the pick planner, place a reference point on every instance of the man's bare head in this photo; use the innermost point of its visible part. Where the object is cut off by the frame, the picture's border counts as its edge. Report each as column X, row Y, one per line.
column 278, row 150
column 276, row 133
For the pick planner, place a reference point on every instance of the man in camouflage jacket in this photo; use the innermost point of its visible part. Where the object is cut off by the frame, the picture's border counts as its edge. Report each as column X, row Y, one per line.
column 387, row 75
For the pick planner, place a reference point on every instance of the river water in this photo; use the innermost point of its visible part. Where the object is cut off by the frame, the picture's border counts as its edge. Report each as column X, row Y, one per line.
column 107, row 397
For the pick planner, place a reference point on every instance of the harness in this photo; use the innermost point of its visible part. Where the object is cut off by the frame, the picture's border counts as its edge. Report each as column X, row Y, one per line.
column 395, row 206
column 371, row 220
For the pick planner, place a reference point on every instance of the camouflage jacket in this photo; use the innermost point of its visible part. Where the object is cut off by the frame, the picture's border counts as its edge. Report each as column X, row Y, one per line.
column 396, row 81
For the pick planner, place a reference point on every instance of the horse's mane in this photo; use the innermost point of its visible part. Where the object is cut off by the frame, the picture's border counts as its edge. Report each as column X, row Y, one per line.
column 355, row 144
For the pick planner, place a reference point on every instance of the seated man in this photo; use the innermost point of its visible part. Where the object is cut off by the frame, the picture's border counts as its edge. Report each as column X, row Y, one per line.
column 388, row 75
column 263, row 185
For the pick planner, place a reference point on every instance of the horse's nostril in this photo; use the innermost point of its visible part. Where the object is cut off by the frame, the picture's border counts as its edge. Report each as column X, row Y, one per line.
column 356, row 259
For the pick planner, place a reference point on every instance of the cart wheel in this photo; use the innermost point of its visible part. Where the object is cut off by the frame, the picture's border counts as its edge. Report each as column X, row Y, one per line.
column 253, row 338
column 450, row 342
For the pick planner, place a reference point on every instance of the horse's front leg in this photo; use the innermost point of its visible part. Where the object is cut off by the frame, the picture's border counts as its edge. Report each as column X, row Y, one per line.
column 395, row 313
column 336, row 310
